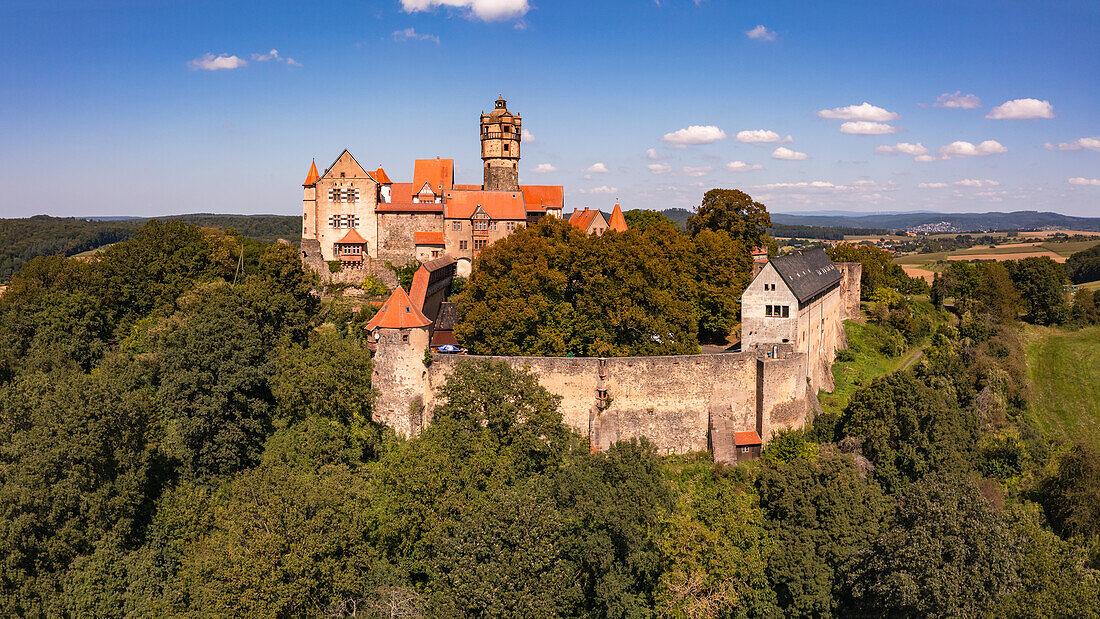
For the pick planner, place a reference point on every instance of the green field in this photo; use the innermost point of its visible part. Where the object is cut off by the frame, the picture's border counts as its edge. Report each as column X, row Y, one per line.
column 1067, row 248
column 1089, row 286
column 1064, row 369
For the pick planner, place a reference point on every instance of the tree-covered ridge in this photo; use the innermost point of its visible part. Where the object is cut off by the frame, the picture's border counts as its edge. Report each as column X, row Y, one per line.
column 24, row 239
column 180, row 437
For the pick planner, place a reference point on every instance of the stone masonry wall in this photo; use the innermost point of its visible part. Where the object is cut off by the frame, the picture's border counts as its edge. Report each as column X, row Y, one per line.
column 395, row 234
column 312, row 260
column 673, row 401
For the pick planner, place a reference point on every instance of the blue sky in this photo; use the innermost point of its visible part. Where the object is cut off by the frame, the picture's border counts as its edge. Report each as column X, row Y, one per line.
column 119, row 107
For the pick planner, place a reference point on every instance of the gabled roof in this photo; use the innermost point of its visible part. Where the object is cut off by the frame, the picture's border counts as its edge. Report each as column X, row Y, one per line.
column 617, row 221
column 398, row 312
column 438, row 173
column 381, row 176
column 428, row 238
column 586, row 218
column 542, row 197
column 497, row 204
column 458, row 187
column 746, row 438
column 352, row 237
column 313, row 176
column 357, row 170
column 806, row 272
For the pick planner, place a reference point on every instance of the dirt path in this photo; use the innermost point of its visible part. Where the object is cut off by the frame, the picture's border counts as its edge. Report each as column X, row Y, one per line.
column 910, row 359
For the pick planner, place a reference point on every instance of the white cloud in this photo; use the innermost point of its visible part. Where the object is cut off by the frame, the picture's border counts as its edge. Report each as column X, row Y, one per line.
column 544, row 168
column 597, row 168
column 791, row 155
column 958, row 101
column 210, row 62
column 696, row 172
column 651, row 154
column 905, row 148
column 924, row 158
column 966, row 149
column 863, row 111
column 759, row 136
column 866, row 127
column 695, row 134
column 741, row 166
column 600, row 189
column 528, row 137
column 932, row 185
column 803, row 185
column 1078, row 144
column 274, row 55
column 659, row 168
column 1017, row 109
column 1077, row 180
column 974, row 182
column 760, row 33
column 487, row 10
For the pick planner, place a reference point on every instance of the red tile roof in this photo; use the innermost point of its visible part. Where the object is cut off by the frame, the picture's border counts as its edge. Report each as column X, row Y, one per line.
column 617, row 221
column 351, row 238
column 401, row 192
column 498, row 204
column 381, row 176
column 313, row 176
column 584, row 219
column 542, row 197
column 438, row 173
column 398, row 312
column 746, row 438
column 467, row 187
column 427, row 238
column 409, row 207
column 418, row 291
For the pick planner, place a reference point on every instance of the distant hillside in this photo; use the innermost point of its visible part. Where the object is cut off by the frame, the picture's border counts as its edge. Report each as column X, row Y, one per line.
column 960, row 222
column 24, row 239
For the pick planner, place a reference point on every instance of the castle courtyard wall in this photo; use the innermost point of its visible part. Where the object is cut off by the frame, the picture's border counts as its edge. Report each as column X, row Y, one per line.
column 674, row 401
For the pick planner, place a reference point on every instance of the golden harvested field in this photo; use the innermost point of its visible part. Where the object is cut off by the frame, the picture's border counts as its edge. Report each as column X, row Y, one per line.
column 912, row 271
column 1008, row 256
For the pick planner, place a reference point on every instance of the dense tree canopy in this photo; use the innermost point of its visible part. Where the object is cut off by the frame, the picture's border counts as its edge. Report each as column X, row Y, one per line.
column 734, row 212
column 180, row 436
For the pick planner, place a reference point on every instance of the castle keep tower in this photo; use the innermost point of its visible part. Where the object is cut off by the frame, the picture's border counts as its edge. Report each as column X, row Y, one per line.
column 500, row 137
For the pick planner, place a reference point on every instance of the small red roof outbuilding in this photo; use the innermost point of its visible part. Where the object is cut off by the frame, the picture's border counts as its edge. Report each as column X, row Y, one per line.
column 746, row 439
column 617, row 221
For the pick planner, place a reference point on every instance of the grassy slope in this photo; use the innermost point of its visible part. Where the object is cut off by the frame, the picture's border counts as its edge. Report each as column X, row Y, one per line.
column 865, row 340
column 1064, row 369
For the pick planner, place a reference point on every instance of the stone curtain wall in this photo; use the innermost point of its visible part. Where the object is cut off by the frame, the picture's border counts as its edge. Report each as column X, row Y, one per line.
column 673, row 401
column 850, row 274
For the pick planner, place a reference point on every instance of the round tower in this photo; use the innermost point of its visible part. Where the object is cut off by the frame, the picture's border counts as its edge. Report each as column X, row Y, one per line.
column 501, row 132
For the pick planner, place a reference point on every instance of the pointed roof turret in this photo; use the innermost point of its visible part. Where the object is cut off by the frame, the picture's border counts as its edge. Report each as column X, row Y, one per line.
column 313, row 176
column 398, row 312
column 381, row 176
column 617, row 221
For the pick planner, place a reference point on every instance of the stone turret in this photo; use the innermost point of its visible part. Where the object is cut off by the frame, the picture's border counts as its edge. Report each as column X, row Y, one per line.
column 501, row 133
column 401, row 333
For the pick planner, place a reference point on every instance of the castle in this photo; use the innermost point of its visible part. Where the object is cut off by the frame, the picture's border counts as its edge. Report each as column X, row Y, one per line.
column 356, row 216
column 729, row 403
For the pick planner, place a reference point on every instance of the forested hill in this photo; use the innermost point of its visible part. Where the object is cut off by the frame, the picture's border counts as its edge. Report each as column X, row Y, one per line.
column 42, row 235
column 963, row 222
